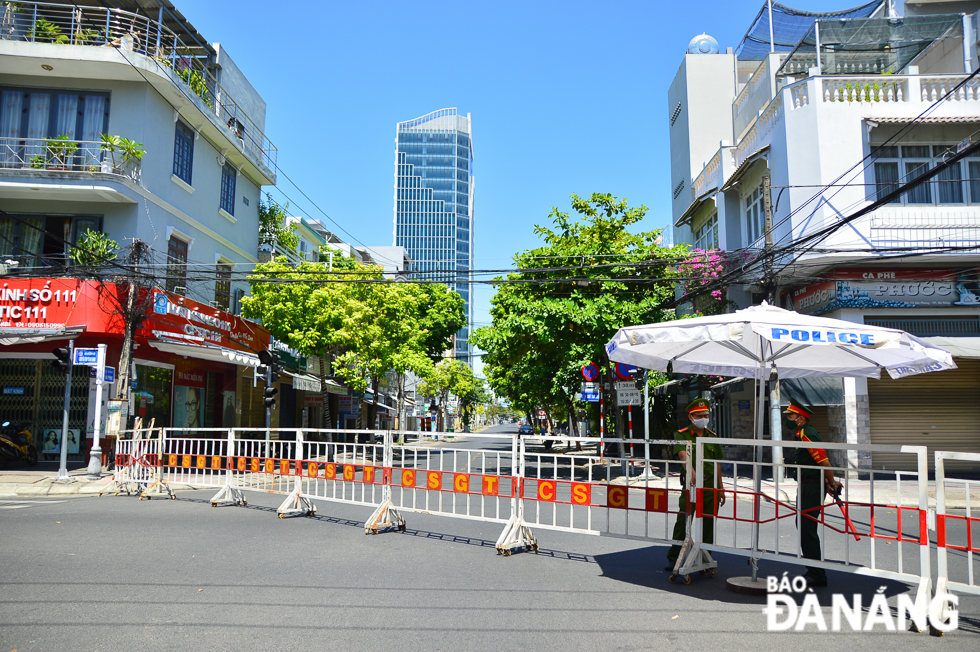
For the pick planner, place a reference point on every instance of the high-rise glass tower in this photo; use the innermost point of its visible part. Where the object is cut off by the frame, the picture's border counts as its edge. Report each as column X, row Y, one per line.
column 434, row 186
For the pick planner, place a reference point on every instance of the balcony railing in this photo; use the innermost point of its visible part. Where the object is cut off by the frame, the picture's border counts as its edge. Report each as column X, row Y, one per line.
column 933, row 230
column 710, row 176
column 62, row 156
column 40, row 22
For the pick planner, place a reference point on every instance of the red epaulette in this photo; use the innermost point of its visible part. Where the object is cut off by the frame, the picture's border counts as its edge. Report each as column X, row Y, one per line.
column 682, row 430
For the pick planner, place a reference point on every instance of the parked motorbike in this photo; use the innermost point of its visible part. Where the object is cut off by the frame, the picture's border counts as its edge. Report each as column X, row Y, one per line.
column 17, row 443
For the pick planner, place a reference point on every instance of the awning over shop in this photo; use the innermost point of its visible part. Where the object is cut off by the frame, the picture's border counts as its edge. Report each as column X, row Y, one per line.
column 960, row 347
column 14, row 336
column 311, row 383
column 207, row 352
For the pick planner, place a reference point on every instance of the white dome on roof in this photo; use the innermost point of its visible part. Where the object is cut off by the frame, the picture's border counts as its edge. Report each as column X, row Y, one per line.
column 702, row 44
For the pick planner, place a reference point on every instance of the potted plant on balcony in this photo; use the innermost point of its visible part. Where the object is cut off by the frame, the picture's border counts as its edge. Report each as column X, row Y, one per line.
column 61, row 150
column 37, row 162
column 111, row 145
column 132, row 154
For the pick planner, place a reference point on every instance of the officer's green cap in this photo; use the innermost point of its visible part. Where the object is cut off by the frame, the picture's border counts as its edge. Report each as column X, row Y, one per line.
column 699, row 405
column 795, row 407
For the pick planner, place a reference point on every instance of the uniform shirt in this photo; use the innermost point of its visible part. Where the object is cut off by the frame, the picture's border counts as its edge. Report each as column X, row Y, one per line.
column 712, row 451
column 811, row 456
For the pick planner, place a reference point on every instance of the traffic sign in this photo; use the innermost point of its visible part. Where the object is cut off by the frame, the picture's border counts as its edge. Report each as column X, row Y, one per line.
column 625, row 371
column 541, row 413
column 88, row 357
column 590, row 396
column 589, row 387
column 625, row 384
column 629, row 397
column 108, row 376
column 590, row 371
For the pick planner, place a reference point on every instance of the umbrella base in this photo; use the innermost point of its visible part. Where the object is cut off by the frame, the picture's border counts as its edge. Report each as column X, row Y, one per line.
column 747, row 586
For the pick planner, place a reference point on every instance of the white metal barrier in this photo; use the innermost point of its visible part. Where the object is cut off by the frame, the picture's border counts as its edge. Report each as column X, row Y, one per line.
column 957, row 536
column 875, row 530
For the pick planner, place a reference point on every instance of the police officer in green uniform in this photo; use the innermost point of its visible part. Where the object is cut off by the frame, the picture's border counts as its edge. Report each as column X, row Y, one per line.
column 697, row 412
column 812, row 485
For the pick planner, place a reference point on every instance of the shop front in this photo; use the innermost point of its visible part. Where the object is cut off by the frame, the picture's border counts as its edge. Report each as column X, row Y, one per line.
column 940, row 305
column 188, row 360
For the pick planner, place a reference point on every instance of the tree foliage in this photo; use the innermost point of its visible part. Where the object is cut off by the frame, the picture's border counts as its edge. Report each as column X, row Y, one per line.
column 93, row 248
column 369, row 326
column 550, row 321
column 273, row 230
column 449, row 377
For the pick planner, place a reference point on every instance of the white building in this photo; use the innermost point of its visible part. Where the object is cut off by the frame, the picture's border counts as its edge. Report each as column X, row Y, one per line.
column 77, row 70
column 866, row 100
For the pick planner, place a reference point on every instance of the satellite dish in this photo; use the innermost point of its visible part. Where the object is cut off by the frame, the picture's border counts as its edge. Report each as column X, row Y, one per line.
column 702, row 44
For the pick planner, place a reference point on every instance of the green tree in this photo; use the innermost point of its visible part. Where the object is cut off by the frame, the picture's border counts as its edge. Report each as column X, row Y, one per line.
column 448, row 377
column 93, row 248
column 369, row 326
column 591, row 277
column 273, row 230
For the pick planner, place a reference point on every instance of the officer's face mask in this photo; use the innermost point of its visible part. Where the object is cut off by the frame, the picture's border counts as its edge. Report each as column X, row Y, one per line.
column 701, row 424
column 791, row 424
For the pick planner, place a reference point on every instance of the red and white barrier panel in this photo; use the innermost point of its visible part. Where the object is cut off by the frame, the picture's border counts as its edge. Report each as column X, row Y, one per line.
column 866, row 532
column 957, row 527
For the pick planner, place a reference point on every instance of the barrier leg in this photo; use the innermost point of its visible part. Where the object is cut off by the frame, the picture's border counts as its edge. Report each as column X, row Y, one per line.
column 516, row 532
column 386, row 516
column 229, row 494
column 296, row 504
column 159, row 487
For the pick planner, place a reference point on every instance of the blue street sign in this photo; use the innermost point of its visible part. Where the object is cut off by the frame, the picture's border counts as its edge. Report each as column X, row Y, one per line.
column 108, row 376
column 590, row 396
column 88, row 357
column 13, row 391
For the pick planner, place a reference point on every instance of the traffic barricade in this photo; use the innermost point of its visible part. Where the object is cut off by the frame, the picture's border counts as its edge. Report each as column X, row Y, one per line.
column 957, row 527
column 880, row 514
column 628, row 497
column 327, row 468
column 136, row 462
column 446, row 478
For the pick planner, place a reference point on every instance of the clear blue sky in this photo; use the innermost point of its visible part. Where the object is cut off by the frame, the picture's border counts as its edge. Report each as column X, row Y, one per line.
column 566, row 97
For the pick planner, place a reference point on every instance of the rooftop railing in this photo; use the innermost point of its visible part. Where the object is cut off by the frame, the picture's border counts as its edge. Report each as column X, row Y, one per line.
column 39, row 22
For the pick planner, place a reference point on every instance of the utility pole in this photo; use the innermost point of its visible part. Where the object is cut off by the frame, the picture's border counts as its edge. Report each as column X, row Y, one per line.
column 772, row 292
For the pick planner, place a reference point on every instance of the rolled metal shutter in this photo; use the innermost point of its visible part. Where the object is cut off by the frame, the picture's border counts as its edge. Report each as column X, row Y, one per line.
column 940, row 410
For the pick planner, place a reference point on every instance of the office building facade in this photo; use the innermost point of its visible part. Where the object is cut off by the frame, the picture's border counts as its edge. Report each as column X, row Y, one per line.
column 434, row 190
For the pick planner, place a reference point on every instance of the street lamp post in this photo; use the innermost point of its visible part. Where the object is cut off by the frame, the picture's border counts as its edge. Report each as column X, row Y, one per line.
column 95, row 460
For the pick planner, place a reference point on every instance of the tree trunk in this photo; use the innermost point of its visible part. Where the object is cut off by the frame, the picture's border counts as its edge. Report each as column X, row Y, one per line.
column 573, row 424
column 126, row 356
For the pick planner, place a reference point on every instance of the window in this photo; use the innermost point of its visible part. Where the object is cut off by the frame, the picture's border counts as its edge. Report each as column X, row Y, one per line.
column 707, row 235
column 176, row 265
column 29, row 117
column 754, row 219
column 41, row 239
column 222, row 286
column 895, row 165
column 228, row 176
column 183, row 152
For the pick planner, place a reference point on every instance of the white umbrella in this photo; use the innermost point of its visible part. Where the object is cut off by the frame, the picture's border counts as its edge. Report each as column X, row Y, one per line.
column 759, row 340
column 753, row 341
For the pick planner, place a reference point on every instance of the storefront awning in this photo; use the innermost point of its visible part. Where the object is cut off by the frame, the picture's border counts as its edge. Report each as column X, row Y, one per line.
column 311, row 383
column 207, row 352
column 960, row 347
column 14, row 336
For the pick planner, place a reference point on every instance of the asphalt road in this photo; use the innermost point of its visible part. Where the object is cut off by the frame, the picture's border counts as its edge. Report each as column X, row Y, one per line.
column 117, row 573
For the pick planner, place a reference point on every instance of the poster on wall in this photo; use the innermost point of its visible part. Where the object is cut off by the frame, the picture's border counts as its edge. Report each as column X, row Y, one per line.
column 228, row 411
column 52, row 440
column 188, row 407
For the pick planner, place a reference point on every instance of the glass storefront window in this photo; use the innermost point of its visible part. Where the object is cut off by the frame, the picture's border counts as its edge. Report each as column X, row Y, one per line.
column 152, row 396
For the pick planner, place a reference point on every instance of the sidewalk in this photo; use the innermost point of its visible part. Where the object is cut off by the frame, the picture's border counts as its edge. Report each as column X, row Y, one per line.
column 24, row 483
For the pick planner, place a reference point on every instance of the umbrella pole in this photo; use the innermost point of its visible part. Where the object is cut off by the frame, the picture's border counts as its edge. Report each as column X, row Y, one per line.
column 757, row 467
